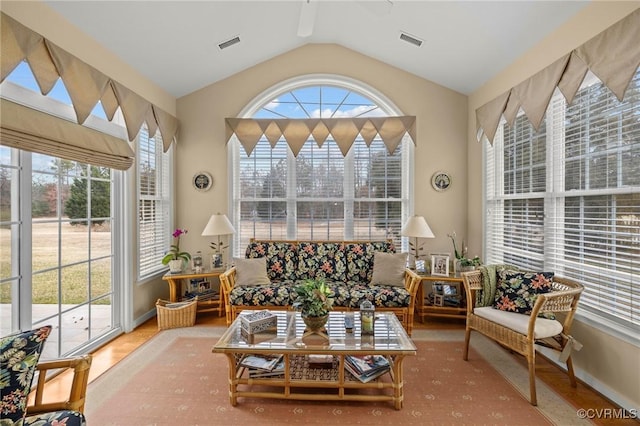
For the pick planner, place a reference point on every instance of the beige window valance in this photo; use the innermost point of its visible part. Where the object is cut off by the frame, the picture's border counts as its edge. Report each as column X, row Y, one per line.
column 85, row 84
column 31, row 130
column 613, row 56
column 343, row 130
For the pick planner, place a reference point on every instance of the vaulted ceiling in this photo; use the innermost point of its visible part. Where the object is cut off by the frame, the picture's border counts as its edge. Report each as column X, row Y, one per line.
column 175, row 43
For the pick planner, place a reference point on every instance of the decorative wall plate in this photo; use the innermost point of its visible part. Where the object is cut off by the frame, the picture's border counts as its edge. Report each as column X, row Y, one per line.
column 440, row 181
column 202, row 181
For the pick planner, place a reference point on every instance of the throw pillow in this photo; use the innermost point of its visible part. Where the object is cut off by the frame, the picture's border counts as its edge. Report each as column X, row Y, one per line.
column 388, row 269
column 19, row 355
column 518, row 291
column 251, row 272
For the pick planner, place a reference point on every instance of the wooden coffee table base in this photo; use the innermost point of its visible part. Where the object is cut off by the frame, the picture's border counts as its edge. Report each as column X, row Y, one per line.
column 298, row 380
column 341, row 381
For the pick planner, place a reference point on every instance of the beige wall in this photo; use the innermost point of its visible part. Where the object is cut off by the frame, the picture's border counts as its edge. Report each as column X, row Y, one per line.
column 606, row 362
column 441, row 133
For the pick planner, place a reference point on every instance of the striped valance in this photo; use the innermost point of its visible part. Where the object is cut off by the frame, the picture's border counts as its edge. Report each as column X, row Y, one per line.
column 85, row 84
column 613, row 56
column 344, row 131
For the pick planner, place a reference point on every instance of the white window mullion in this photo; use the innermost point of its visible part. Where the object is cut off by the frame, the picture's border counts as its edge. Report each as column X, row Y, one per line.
column 292, row 208
column 349, row 194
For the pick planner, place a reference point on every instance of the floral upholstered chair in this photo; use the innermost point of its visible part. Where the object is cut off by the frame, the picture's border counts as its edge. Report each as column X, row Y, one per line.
column 19, row 356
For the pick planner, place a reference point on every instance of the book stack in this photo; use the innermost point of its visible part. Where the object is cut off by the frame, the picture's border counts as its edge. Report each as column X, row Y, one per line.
column 263, row 365
column 366, row 367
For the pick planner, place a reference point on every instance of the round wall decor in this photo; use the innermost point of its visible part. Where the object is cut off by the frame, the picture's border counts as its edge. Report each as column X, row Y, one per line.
column 202, row 181
column 440, row 181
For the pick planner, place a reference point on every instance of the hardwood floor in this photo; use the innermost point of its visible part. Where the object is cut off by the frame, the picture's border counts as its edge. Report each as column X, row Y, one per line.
column 581, row 397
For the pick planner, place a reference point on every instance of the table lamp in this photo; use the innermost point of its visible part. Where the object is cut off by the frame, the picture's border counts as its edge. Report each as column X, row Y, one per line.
column 218, row 225
column 416, row 227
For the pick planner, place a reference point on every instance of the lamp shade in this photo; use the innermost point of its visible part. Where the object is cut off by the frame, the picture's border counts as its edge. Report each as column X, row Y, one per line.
column 218, row 225
column 416, row 226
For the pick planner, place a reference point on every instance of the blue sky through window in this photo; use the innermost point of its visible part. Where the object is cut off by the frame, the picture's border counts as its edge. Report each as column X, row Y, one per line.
column 322, row 101
column 23, row 76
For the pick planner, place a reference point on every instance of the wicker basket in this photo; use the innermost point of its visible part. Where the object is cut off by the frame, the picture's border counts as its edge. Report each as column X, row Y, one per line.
column 176, row 314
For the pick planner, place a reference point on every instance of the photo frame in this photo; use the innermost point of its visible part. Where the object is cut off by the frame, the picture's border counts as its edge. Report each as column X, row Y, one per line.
column 421, row 267
column 440, row 265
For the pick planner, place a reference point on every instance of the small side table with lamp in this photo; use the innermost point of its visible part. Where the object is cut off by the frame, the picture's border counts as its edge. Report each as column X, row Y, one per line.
column 416, row 227
column 218, row 225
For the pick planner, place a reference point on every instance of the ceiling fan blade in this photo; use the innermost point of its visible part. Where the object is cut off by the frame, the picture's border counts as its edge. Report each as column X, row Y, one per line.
column 307, row 18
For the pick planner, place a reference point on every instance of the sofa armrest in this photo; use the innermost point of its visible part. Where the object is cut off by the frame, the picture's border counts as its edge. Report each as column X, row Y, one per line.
column 411, row 284
column 75, row 401
column 228, row 281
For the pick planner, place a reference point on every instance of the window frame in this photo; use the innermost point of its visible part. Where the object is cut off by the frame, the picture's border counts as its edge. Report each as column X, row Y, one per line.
column 235, row 150
column 158, row 249
column 554, row 197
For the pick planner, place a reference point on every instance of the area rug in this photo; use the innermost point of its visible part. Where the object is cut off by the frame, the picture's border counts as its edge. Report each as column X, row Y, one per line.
column 176, row 379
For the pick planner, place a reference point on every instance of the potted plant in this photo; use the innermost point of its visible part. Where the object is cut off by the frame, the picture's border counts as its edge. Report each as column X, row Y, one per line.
column 462, row 262
column 314, row 301
column 175, row 258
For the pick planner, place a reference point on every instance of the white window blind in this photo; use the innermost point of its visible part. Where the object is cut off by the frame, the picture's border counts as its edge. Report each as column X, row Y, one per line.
column 321, row 195
column 567, row 199
column 154, row 219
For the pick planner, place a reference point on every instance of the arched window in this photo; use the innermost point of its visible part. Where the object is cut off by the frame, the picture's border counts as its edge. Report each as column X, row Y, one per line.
column 320, row 194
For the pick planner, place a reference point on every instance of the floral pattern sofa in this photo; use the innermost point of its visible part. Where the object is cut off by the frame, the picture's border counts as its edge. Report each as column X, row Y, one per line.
column 347, row 267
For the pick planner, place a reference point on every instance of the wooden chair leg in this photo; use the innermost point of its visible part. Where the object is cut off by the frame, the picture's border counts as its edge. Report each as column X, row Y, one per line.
column 531, row 361
column 467, row 338
column 570, row 373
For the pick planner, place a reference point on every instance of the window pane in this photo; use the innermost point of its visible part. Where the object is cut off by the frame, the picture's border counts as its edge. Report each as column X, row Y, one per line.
column 587, row 225
column 319, row 194
column 154, row 206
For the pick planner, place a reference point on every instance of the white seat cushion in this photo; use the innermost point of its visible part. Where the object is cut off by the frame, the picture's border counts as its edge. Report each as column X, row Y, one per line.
column 520, row 322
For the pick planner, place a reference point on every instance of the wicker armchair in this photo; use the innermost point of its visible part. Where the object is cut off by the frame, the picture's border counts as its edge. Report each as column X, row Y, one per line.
column 519, row 332
column 69, row 411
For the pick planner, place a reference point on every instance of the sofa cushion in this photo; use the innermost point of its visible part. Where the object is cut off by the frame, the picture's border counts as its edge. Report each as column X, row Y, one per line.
column 276, row 293
column 282, row 258
column 19, row 355
column 62, row 417
column 251, row 271
column 359, row 259
column 520, row 323
column 518, row 291
column 341, row 293
column 389, row 269
column 379, row 295
column 321, row 260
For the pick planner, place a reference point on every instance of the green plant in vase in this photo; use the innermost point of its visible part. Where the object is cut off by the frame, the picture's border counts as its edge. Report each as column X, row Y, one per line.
column 462, row 262
column 314, row 300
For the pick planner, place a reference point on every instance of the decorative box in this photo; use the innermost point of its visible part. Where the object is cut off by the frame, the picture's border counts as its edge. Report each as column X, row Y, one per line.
column 257, row 322
column 320, row 361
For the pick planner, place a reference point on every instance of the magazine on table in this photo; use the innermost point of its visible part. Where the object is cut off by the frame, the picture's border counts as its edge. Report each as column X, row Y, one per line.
column 278, row 370
column 366, row 367
column 261, row 362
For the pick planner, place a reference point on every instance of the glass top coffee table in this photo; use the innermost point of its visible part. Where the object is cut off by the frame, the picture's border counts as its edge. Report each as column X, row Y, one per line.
column 293, row 377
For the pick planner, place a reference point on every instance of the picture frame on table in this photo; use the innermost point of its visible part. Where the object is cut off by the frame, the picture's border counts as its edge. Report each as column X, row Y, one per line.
column 440, row 265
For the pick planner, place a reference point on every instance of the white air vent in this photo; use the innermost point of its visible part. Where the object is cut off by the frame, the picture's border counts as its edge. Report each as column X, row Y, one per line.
column 229, row 42
column 410, row 39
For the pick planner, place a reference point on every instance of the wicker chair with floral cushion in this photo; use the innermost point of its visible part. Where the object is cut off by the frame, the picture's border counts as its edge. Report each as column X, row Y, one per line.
column 19, row 356
column 523, row 313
